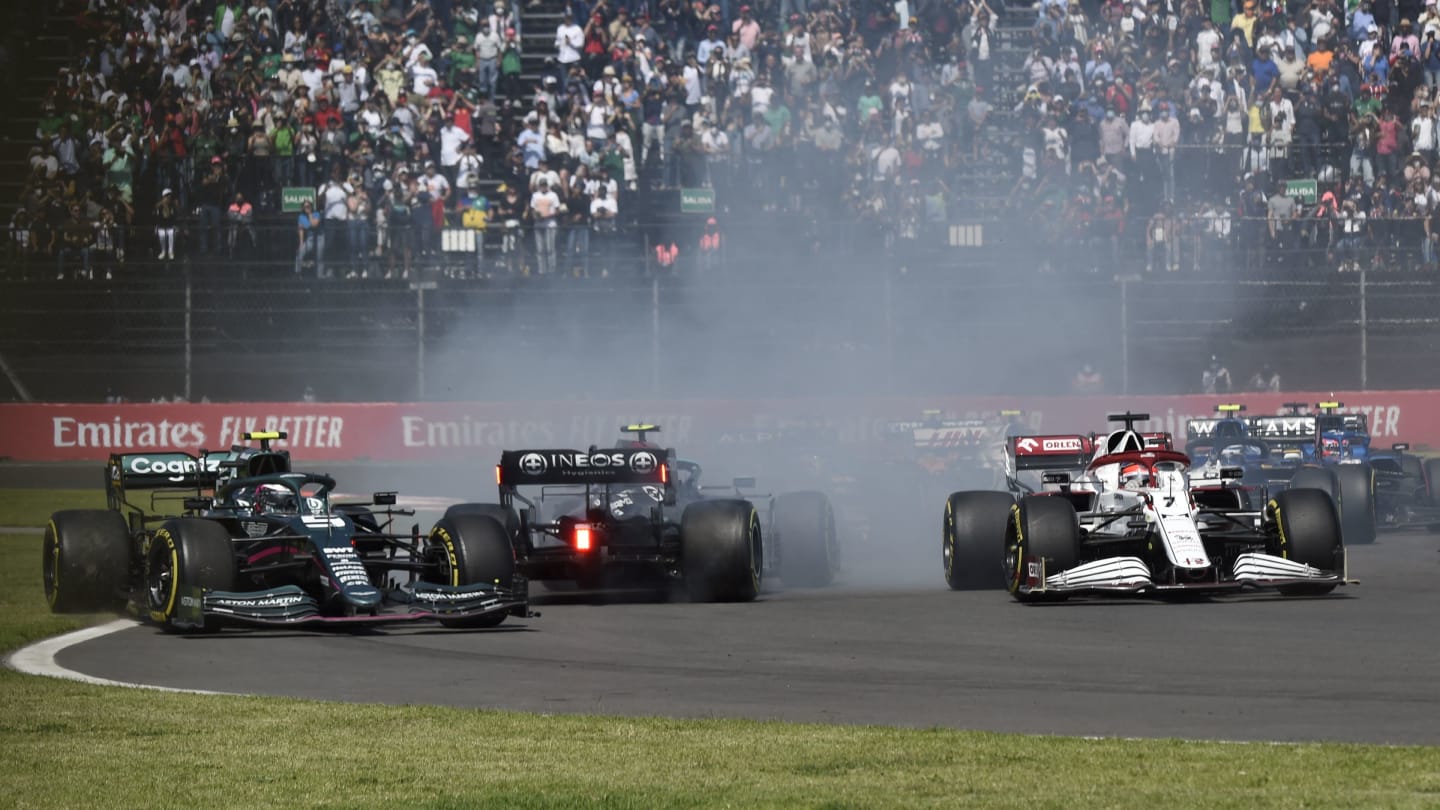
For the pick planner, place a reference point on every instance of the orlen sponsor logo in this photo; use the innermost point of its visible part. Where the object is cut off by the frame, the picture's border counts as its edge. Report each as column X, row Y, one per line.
column 304, row 430
column 1067, row 445
column 418, row 431
column 119, row 434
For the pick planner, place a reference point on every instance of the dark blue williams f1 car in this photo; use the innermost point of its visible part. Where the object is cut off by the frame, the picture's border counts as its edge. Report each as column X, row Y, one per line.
column 237, row 537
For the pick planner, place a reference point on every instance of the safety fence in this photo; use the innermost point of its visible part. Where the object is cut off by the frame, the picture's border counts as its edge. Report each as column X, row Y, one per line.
column 195, row 334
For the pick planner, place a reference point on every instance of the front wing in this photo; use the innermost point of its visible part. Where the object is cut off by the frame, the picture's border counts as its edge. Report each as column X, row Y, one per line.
column 1130, row 575
column 290, row 605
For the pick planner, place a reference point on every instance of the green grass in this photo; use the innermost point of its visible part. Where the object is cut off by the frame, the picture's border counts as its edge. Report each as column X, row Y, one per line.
column 66, row 745
column 32, row 507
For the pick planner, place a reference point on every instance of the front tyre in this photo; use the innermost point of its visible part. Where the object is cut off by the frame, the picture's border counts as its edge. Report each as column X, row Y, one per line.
column 469, row 549
column 185, row 558
column 1303, row 525
column 85, row 561
column 721, row 551
column 1357, row 502
column 802, row 534
column 973, row 539
column 1041, row 530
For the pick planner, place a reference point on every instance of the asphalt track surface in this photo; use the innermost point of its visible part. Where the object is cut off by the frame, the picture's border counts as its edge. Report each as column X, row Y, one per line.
column 890, row 645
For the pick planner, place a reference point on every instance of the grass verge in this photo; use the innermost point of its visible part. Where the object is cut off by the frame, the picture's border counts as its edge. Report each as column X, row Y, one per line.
column 66, row 745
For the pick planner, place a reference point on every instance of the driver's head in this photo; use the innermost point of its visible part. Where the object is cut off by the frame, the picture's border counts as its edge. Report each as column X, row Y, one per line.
column 1134, row 475
column 274, row 498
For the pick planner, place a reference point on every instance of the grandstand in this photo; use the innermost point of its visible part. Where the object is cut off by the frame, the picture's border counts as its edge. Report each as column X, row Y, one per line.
column 1136, row 151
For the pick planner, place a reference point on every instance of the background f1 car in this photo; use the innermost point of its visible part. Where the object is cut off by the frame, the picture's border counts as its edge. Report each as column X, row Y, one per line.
column 638, row 515
column 1120, row 515
column 1385, row 489
column 237, row 537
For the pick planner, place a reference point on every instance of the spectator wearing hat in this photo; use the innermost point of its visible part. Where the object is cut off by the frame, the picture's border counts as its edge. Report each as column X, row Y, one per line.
column 570, row 39
column 747, row 28
column 167, row 217
column 214, row 188
column 308, row 225
column 712, row 43
column 707, row 257
column 544, row 214
column 488, row 47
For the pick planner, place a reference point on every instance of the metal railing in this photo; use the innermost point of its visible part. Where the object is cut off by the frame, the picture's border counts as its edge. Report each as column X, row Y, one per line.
column 218, row 335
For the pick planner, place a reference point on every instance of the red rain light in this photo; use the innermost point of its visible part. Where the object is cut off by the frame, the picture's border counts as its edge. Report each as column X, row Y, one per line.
column 497, row 475
column 582, row 537
column 664, row 473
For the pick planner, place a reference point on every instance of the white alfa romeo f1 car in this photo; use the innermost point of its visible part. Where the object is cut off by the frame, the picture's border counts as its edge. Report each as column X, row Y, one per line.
column 1119, row 515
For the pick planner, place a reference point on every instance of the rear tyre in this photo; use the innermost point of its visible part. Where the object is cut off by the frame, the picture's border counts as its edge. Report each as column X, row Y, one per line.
column 86, row 561
column 505, row 517
column 721, row 551
column 1303, row 525
column 187, row 557
column 802, row 535
column 1432, row 480
column 1041, row 528
column 1412, row 467
column 1357, row 502
column 973, row 539
column 469, row 549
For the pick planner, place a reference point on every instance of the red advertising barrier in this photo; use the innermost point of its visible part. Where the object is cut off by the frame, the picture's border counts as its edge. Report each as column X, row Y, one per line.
column 395, row 431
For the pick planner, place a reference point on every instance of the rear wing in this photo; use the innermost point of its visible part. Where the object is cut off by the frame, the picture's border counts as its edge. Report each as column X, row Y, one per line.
column 608, row 466
column 1352, row 422
column 1157, row 441
column 163, row 470
column 951, row 434
column 1051, row 452
column 1273, row 428
column 1200, row 428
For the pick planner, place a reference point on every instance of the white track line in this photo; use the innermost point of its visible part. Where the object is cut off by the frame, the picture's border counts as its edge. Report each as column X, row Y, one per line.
column 39, row 659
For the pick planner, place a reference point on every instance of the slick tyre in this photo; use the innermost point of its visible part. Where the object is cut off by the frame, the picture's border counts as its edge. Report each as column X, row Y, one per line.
column 1357, row 502
column 973, row 539
column 468, row 549
column 1044, row 529
column 1303, row 525
column 506, row 517
column 721, row 551
column 187, row 557
column 1432, row 480
column 802, row 535
column 86, row 561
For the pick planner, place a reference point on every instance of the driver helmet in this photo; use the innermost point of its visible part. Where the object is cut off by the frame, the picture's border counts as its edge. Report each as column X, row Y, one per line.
column 1134, row 475
column 273, row 498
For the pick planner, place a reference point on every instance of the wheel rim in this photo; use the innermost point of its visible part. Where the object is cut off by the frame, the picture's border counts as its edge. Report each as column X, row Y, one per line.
column 50, row 562
column 755, row 549
column 1014, row 554
column 159, row 578
column 947, row 550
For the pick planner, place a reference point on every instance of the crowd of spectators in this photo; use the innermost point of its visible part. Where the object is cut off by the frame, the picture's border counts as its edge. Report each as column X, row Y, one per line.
column 1268, row 135
column 1145, row 136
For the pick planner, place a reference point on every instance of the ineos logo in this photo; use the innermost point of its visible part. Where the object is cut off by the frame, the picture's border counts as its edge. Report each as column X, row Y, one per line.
column 532, row 464
column 643, row 462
